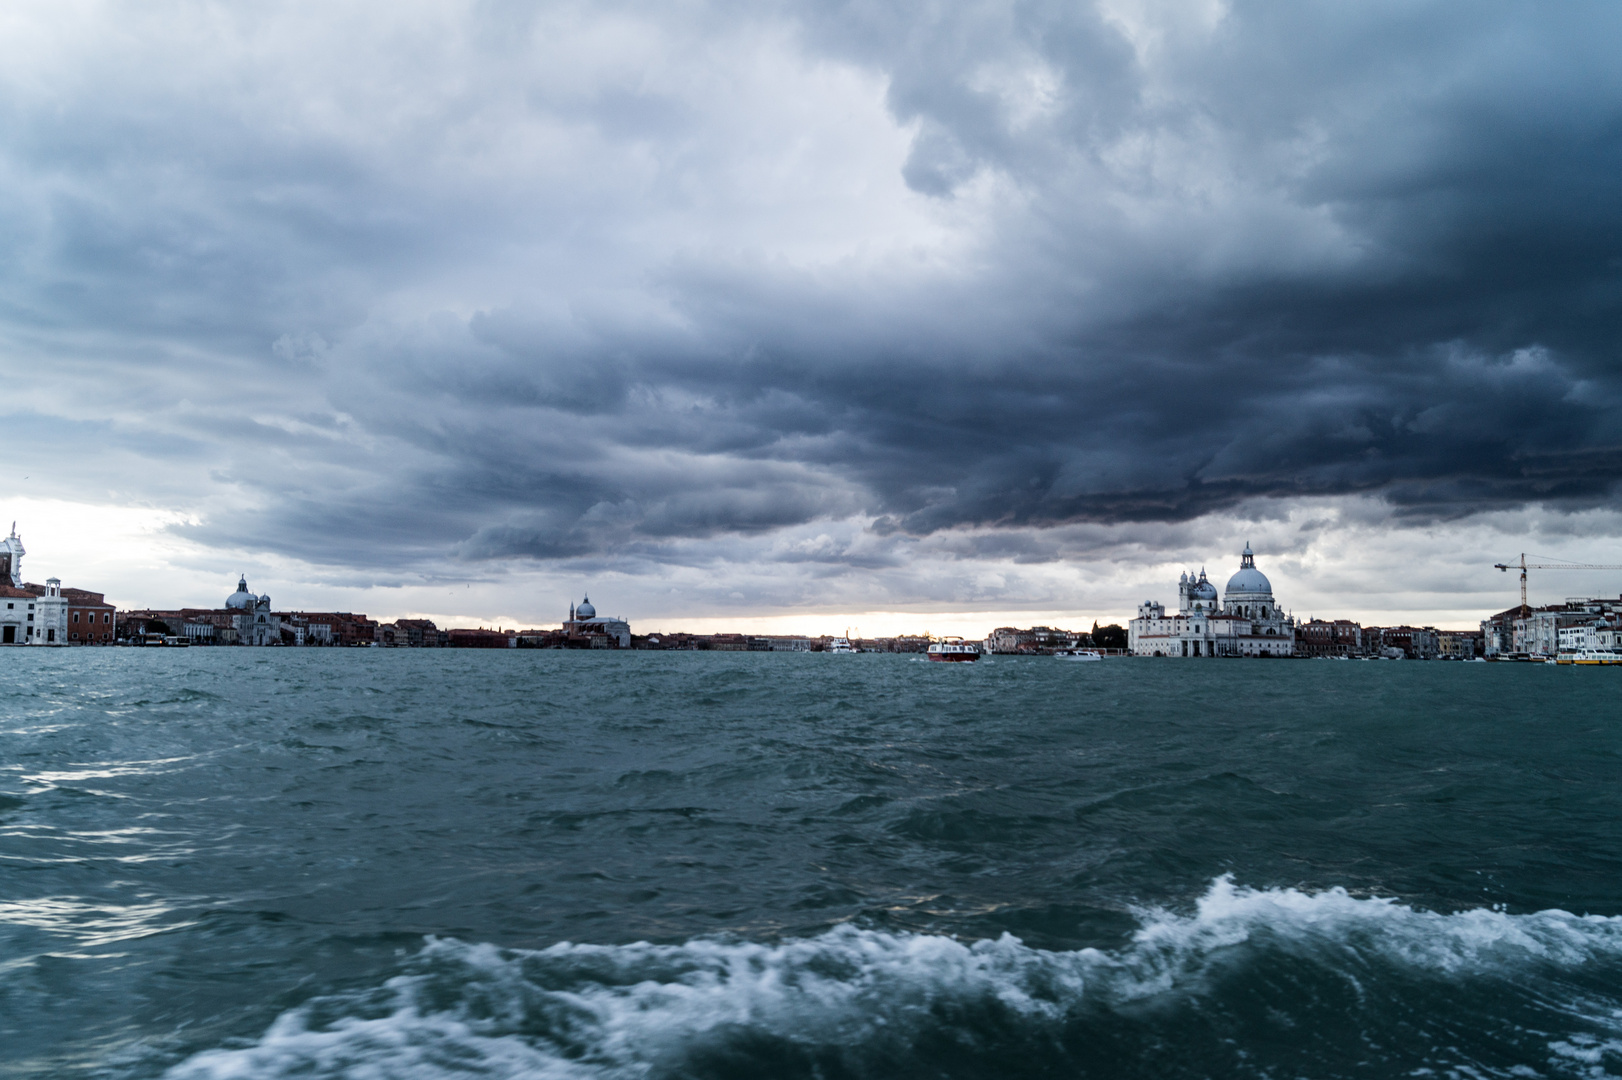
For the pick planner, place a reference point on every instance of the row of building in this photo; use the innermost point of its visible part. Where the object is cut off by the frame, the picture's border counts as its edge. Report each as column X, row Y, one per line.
column 249, row 619
column 1578, row 625
column 51, row 614
column 1244, row 621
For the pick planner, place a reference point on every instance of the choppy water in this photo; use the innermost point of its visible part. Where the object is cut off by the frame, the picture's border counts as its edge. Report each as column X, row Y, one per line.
column 323, row 863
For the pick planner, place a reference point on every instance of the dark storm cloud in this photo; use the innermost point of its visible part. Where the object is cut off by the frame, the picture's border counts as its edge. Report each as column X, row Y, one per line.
column 547, row 282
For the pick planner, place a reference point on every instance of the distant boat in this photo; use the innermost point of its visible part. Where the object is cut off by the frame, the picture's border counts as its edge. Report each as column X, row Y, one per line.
column 842, row 645
column 953, row 650
column 1079, row 654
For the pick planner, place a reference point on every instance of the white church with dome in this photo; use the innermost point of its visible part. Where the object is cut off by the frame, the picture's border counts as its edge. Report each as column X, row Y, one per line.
column 256, row 624
column 600, row 631
column 1247, row 621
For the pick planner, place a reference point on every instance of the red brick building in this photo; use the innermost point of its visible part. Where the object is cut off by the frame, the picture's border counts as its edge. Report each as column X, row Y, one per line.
column 91, row 619
column 1342, row 637
column 483, row 639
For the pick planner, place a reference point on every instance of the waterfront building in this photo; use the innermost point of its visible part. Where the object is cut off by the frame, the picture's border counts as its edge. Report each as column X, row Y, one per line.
column 90, row 618
column 419, row 634
column 1320, row 637
column 1458, row 644
column 1414, row 642
column 483, row 638
column 334, row 627
column 1600, row 634
column 16, row 615
column 585, row 629
column 1535, row 633
column 208, row 628
column 33, row 614
column 1037, row 640
column 1246, row 622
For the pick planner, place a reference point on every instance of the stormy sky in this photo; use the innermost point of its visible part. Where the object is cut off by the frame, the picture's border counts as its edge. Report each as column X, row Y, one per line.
column 811, row 310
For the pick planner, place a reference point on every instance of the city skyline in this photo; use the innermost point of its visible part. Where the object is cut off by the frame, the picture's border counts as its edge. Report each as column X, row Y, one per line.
column 812, row 316
column 176, row 587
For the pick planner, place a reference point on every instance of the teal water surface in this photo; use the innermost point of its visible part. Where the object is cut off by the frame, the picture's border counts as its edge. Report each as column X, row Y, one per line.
column 370, row 863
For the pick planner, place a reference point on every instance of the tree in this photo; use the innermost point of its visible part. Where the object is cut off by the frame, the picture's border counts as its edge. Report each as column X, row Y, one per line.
column 1109, row 637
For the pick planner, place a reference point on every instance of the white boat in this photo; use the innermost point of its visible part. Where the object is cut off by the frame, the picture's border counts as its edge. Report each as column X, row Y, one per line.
column 1589, row 658
column 1079, row 654
column 953, row 650
column 841, row 645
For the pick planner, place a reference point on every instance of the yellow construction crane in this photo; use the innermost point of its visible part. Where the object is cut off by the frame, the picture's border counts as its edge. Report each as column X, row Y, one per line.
column 1523, row 566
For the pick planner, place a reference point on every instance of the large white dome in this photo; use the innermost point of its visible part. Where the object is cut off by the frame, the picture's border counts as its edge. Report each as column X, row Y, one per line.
column 585, row 610
column 1249, row 581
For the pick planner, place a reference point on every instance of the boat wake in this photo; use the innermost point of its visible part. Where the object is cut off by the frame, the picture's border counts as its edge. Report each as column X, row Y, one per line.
column 1363, row 986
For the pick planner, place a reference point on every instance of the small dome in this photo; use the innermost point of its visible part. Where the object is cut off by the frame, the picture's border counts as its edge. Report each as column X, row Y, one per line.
column 1202, row 589
column 585, row 610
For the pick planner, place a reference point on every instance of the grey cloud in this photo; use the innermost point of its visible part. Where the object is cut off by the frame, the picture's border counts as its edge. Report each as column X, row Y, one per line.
column 478, row 293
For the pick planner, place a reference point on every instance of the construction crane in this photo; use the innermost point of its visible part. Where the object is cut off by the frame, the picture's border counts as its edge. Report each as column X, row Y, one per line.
column 1523, row 566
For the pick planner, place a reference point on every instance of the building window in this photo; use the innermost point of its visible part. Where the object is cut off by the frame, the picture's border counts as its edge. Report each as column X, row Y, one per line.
column 73, row 637
column 75, row 616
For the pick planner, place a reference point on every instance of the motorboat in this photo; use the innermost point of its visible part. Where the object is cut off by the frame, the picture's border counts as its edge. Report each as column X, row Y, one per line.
column 1079, row 654
column 953, row 650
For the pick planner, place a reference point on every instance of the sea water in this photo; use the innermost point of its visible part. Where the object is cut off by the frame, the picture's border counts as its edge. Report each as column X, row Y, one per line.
column 366, row 863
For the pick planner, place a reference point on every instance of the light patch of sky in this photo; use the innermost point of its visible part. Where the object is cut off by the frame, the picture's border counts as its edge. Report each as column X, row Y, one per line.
column 1329, row 558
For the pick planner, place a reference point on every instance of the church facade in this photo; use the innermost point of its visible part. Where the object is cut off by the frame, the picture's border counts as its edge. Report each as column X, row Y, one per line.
column 1245, row 621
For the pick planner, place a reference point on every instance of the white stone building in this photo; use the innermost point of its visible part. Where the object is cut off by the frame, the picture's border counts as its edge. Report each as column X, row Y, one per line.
column 1597, row 635
column 1246, row 622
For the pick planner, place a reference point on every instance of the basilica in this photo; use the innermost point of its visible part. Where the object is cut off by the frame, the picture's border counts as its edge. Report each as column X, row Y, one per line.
column 1245, row 622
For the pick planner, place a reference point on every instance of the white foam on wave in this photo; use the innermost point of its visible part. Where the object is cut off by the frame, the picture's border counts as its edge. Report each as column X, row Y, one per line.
column 575, row 1011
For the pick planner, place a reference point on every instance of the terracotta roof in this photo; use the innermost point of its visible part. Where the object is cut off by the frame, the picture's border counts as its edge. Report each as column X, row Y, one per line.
column 20, row 594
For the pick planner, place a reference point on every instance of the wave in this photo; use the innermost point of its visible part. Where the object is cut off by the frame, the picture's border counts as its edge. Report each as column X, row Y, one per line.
column 1252, row 982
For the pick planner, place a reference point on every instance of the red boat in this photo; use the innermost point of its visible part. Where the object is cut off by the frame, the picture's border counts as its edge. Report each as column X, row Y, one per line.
column 953, row 650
